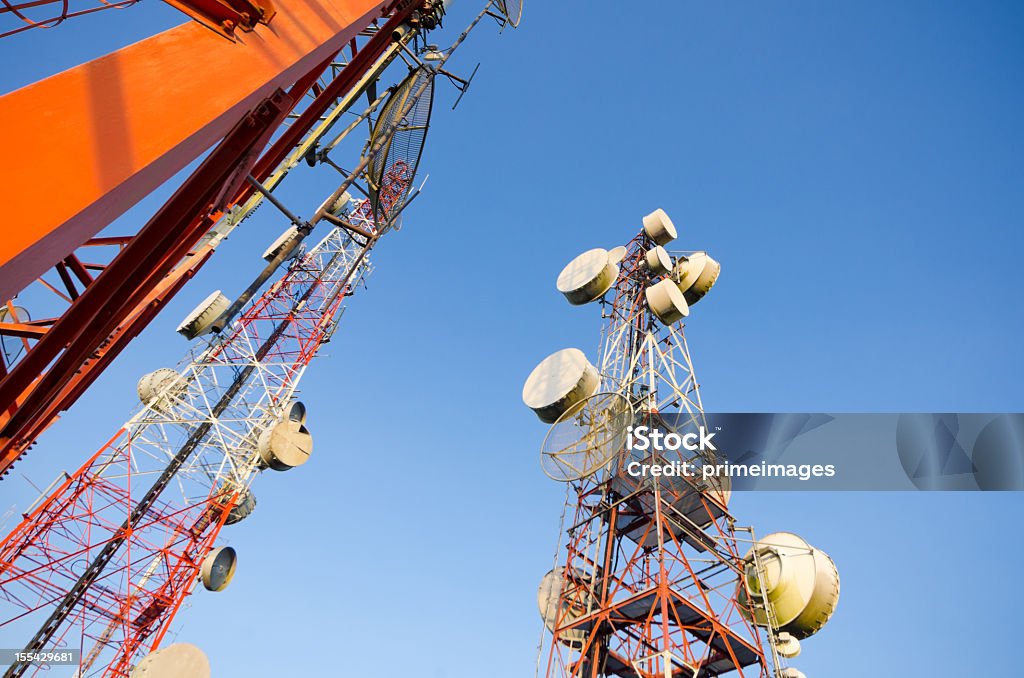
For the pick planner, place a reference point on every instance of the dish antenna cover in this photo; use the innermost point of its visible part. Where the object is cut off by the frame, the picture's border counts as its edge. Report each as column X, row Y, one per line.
column 787, row 645
column 555, row 608
column 297, row 412
column 243, row 509
column 218, row 568
column 282, row 241
column 560, row 381
column 616, row 254
column 586, row 437
column 285, row 445
column 666, row 302
column 180, row 660
column 162, row 382
column 199, row 321
column 513, row 11
column 696, row 275
column 587, row 277
column 658, row 261
column 659, row 227
column 801, row 582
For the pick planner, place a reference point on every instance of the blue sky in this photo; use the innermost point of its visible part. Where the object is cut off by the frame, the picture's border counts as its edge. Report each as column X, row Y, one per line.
column 856, row 169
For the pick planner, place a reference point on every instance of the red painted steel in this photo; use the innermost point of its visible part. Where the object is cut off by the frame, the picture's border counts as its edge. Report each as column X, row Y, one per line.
column 92, row 141
column 32, row 396
column 51, row 364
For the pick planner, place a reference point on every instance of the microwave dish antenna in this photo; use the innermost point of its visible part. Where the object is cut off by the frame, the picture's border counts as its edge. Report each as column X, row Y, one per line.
column 399, row 134
column 512, row 9
column 586, row 437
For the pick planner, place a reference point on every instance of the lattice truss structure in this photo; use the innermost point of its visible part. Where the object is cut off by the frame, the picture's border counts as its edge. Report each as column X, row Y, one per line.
column 648, row 572
column 117, row 546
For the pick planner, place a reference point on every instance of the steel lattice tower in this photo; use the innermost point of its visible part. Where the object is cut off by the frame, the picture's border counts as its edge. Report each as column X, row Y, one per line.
column 147, row 507
column 647, row 575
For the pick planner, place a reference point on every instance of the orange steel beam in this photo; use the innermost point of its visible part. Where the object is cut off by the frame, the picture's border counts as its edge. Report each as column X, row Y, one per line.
column 92, row 141
column 36, row 390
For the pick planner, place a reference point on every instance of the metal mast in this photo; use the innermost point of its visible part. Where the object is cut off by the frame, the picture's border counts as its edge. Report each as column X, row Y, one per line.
column 645, row 580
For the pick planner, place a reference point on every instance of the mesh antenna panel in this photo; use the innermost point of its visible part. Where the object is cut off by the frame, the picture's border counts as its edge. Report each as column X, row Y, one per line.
column 400, row 132
column 586, row 437
column 512, row 9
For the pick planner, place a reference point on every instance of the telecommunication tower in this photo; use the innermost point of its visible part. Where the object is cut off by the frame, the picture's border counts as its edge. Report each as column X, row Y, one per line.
column 108, row 554
column 651, row 580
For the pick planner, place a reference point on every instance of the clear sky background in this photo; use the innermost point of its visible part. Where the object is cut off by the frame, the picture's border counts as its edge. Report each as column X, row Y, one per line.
column 855, row 166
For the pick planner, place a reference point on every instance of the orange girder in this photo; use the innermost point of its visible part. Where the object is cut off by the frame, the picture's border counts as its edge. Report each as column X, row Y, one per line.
column 90, row 142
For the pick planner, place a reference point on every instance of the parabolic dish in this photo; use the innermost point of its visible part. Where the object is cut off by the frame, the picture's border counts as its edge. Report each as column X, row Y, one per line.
column 658, row 260
column 616, row 254
column 801, row 585
column 280, row 243
column 202, row 316
column 587, row 277
column 586, row 437
column 687, row 269
column 555, row 607
column 179, row 660
column 218, row 568
column 161, row 382
column 243, row 509
column 558, row 382
column 659, row 227
column 666, row 302
column 399, row 135
column 297, row 412
column 696, row 275
column 513, row 11
column 787, row 645
column 285, row 445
